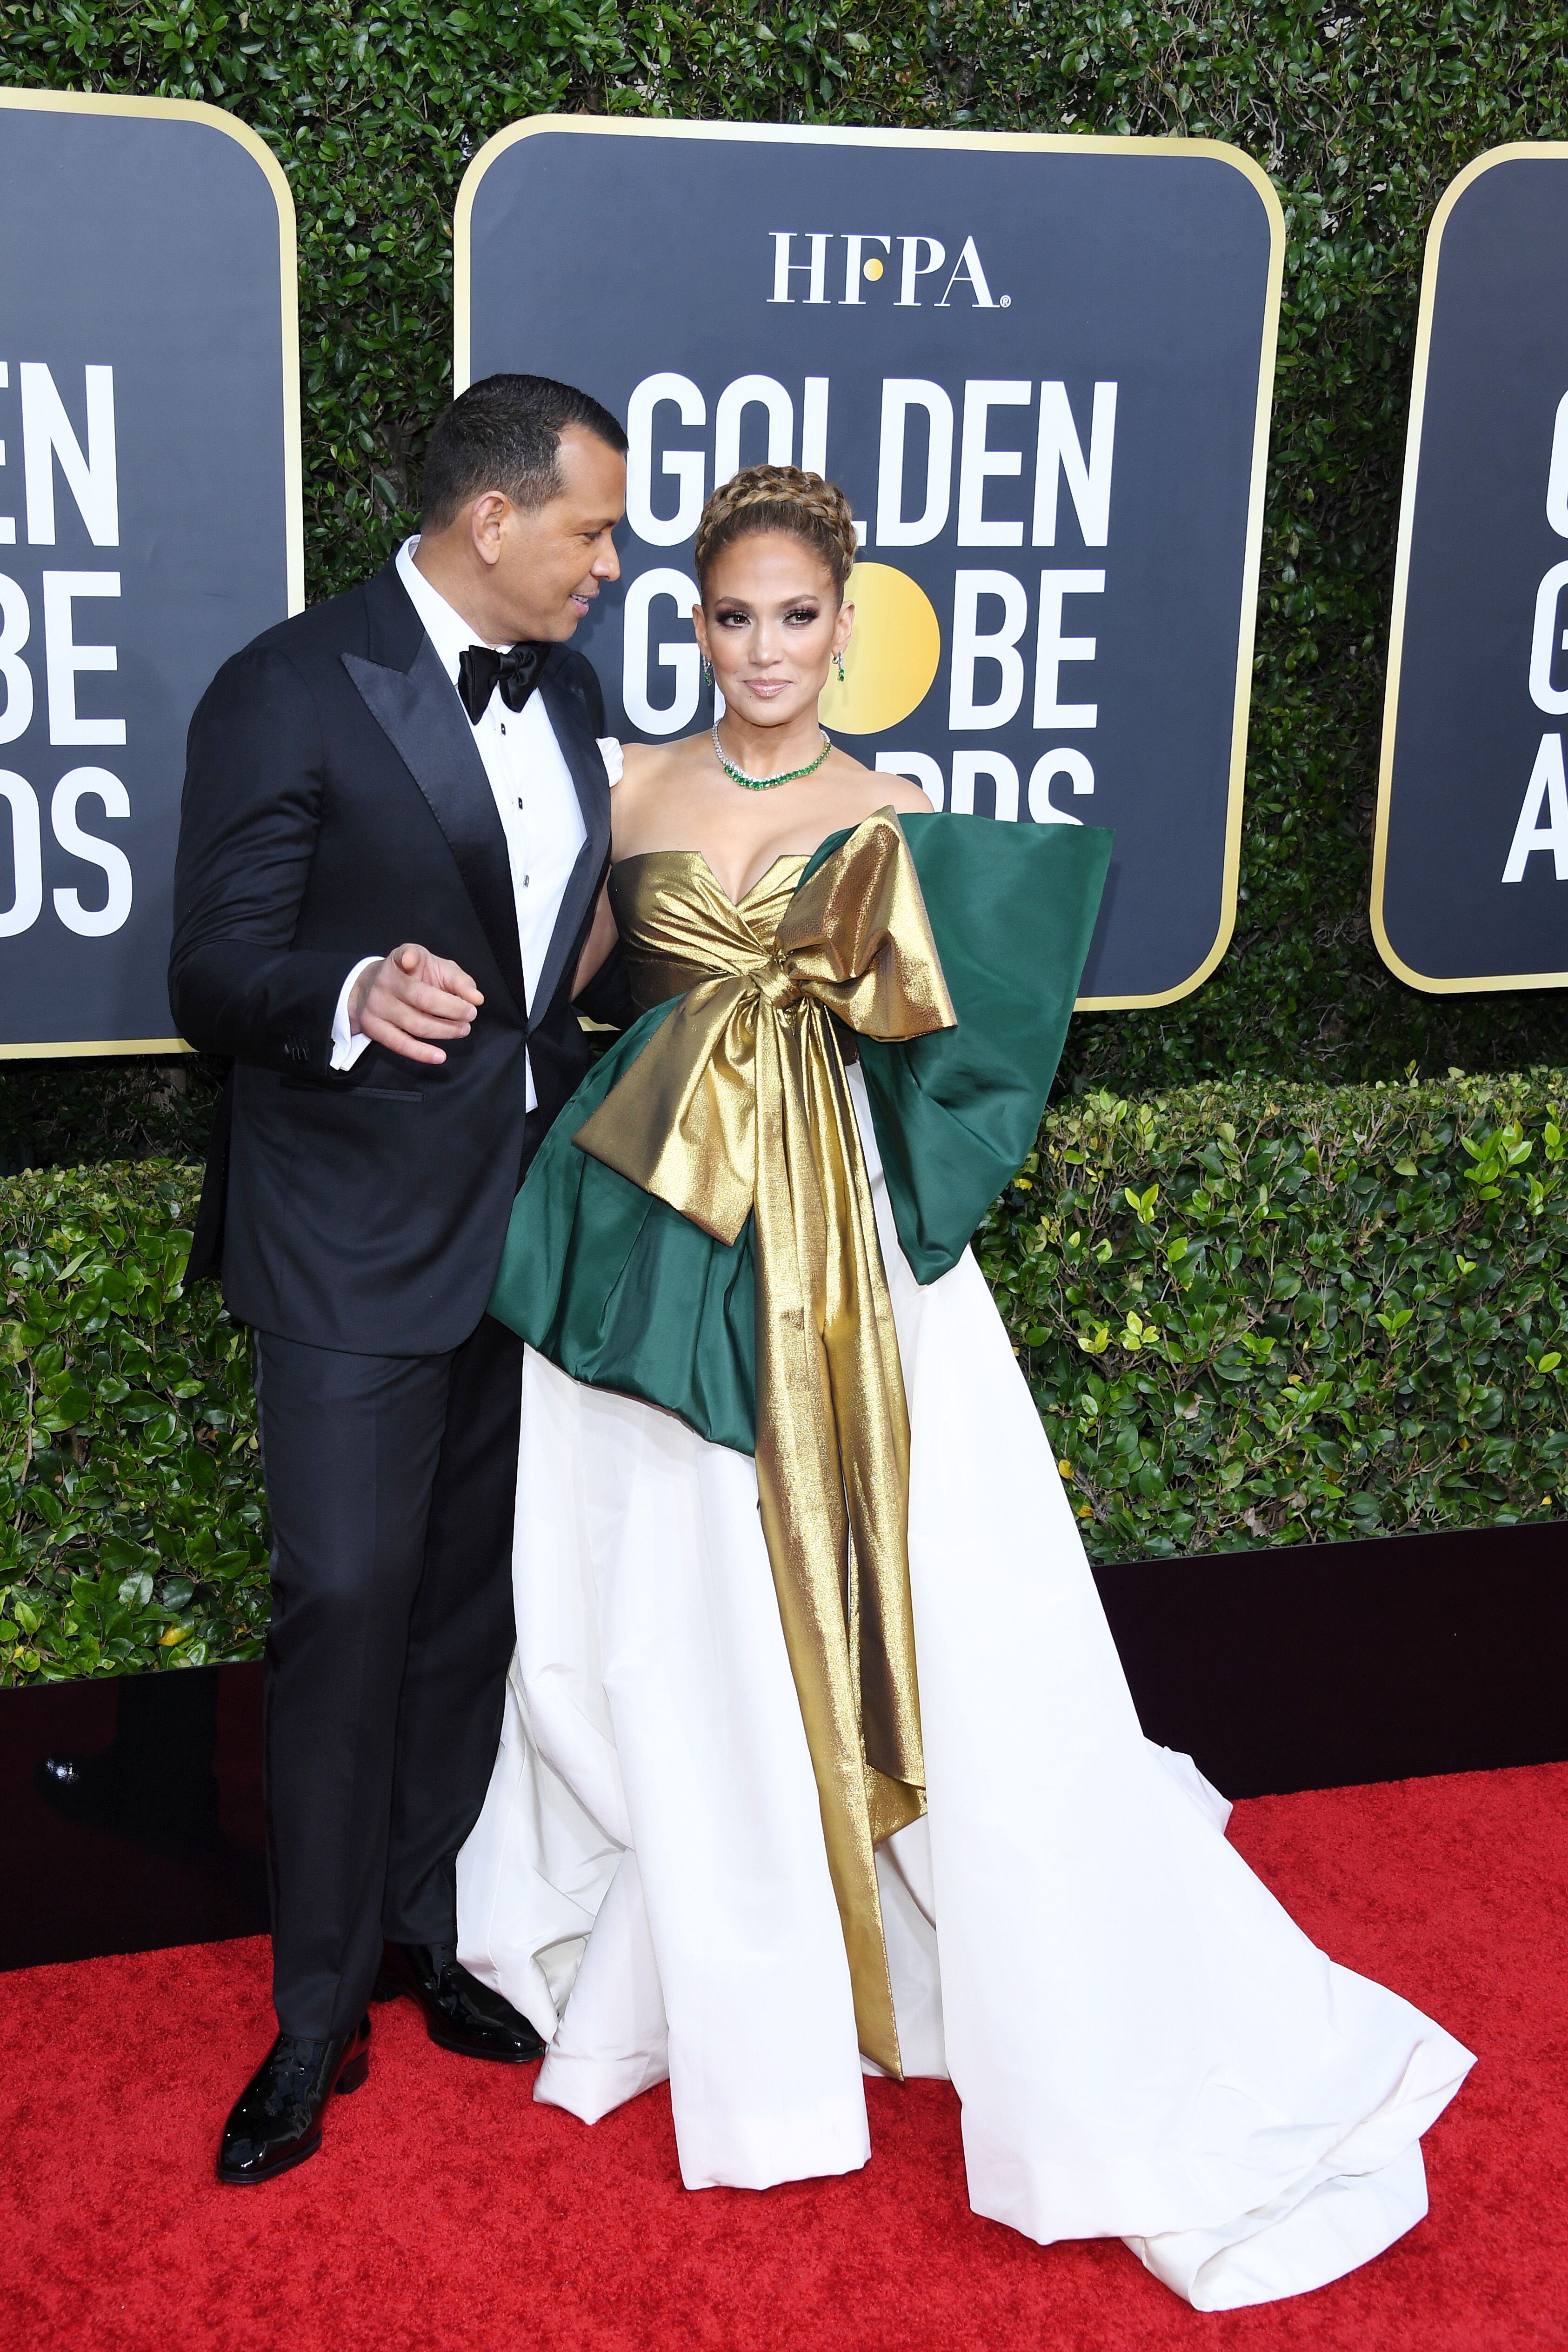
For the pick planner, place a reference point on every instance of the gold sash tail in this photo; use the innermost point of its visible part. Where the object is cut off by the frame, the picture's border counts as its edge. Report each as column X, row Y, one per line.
column 738, row 1104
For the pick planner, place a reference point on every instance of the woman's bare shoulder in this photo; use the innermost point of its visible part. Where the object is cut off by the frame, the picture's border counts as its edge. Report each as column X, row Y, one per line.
column 653, row 776
column 645, row 762
column 898, row 792
column 651, row 767
column 874, row 788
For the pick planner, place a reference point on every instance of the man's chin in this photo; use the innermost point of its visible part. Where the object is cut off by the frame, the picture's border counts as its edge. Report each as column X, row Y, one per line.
column 560, row 627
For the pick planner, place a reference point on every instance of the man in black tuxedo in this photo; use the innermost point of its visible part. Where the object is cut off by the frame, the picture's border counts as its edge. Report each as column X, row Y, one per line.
column 393, row 838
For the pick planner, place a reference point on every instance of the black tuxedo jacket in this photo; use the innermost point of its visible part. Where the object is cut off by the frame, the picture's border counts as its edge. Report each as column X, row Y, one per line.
column 335, row 804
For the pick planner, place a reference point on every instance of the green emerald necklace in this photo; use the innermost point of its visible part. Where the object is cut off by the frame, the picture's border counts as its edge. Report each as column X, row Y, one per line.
column 766, row 783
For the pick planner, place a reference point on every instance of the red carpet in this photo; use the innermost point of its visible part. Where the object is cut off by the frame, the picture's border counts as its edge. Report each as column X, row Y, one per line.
column 446, row 2213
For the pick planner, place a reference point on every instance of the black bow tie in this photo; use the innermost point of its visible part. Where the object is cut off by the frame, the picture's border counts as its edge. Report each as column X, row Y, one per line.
column 481, row 669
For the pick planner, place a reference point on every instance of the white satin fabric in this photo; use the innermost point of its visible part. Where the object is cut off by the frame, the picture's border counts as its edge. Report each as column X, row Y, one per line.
column 1145, row 2044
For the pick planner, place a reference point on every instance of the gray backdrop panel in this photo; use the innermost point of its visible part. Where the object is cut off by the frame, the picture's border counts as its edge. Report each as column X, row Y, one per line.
column 604, row 260
column 1467, row 731
column 151, row 246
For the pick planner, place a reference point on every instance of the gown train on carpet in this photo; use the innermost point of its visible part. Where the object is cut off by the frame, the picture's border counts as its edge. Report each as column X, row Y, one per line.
column 1143, row 2043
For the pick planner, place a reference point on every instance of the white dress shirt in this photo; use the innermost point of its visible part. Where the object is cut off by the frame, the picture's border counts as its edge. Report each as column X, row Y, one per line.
column 535, row 798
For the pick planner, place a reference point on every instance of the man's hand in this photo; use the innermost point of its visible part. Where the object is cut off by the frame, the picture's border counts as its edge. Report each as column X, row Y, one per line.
column 411, row 994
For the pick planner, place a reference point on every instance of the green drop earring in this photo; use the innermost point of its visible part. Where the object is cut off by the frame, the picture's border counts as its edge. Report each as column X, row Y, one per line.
column 839, row 659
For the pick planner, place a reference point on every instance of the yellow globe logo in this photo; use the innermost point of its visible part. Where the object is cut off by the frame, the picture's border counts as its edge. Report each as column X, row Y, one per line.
column 892, row 657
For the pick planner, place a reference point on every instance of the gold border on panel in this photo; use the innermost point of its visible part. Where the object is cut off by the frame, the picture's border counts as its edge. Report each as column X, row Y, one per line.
column 1520, row 150
column 996, row 142
column 68, row 102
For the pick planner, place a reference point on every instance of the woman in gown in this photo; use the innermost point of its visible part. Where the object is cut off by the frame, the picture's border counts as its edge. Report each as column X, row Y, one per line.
column 819, row 1759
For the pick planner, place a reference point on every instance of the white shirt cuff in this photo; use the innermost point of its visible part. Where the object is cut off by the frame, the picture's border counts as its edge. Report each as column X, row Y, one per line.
column 349, row 1045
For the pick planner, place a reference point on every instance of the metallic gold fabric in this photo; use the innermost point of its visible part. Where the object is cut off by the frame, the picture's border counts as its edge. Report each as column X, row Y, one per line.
column 738, row 1106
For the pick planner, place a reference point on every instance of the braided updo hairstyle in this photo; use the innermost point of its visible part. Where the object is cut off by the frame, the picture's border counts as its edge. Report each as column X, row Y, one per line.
column 781, row 499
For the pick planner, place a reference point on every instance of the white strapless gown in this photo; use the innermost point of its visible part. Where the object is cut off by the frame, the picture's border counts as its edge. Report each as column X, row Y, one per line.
column 1145, row 2044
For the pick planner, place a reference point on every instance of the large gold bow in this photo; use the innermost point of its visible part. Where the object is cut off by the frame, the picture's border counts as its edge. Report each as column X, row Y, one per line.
column 738, row 1104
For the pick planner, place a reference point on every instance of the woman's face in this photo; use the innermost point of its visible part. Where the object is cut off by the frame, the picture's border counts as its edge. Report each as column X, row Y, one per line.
column 771, row 624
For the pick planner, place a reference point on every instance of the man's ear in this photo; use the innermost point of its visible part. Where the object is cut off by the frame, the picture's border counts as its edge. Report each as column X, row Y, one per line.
column 487, row 520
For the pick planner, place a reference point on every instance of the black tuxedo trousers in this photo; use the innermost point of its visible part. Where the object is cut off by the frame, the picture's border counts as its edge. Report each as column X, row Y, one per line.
column 335, row 805
column 391, row 1483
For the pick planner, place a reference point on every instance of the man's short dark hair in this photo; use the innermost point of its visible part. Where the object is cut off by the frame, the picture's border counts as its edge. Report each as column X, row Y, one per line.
column 503, row 434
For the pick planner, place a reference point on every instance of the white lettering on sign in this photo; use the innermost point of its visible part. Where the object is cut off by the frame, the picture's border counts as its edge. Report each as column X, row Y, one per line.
column 1054, row 650
column 16, row 626
column 937, row 480
column 1557, row 476
column 920, row 257
column 1060, row 453
column 1063, row 761
column 854, row 265
column 683, row 467
column 63, row 658
column 900, row 393
column 913, row 267
column 48, row 434
column 49, row 440
column 7, row 522
column 978, row 463
column 1547, row 790
column 972, row 645
column 751, row 392
column 968, row 270
column 681, row 655
column 26, row 859
column 1546, row 642
column 92, row 923
column 815, row 269
column 814, row 427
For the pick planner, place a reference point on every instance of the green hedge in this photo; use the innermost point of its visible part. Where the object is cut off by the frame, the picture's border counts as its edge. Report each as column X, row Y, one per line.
column 132, row 1527
column 76, row 1113
column 1265, row 1316
column 1200, row 1400
column 1272, row 1315
column 1361, row 115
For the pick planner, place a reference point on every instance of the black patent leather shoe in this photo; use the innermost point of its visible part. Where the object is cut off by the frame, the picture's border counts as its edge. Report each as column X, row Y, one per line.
column 277, row 2120
column 460, row 2013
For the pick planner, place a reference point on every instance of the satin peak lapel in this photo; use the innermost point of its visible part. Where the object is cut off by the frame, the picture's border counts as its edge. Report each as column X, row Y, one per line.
column 586, row 763
column 419, row 712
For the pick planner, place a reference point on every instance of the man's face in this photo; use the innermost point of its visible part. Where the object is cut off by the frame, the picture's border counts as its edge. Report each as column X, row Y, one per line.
column 552, row 562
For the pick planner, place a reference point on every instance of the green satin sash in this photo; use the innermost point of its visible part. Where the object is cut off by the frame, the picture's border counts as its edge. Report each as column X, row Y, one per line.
column 1012, row 909
column 620, row 1291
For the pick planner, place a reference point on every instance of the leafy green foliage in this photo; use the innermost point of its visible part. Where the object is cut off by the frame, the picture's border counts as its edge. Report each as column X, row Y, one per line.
column 375, row 116
column 1273, row 1315
column 63, row 1114
column 1272, row 1312
column 131, row 1528
column 1361, row 115
column 1249, row 1316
